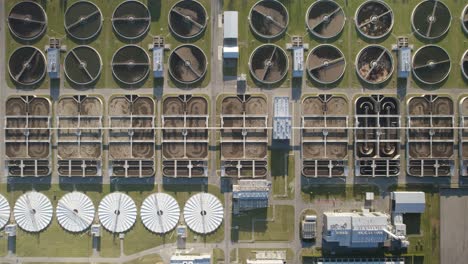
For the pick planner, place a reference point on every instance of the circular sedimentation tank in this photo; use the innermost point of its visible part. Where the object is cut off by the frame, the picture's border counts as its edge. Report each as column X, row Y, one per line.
column 464, row 19
column 27, row 65
column 130, row 64
column 431, row 19
column 325, row 19
column 374, row 64
column 326, row 64
column 431, row 64
column 269, row 18
column 27, row 20
column 374, row 19
column 83, row 65
column 464, row 64
column 268, row 63
column 187, row 64
column 83, row 20
column 131, row 19
column 187, row 19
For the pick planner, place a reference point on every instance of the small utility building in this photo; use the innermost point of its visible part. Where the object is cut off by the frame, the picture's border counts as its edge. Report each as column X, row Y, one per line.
column 408, row 202
column 230, row 45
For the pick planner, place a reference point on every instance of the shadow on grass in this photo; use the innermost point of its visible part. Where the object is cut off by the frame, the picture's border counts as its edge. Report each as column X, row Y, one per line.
column 243, row 222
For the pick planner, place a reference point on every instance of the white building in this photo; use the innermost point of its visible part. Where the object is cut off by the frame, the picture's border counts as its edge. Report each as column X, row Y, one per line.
column 356, row 230
column 408, row 202
column 191, row 259
column 230, row 35
column 281, row 119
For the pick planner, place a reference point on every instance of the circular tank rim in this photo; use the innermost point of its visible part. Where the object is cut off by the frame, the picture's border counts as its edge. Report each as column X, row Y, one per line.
column 416, row 53
column 366, row 35
column 43, row 57
column 417, row 32
column 100, row 25
column 125, row 46
column 250, row 64
column 356, row 62
column 170, row 68
column 187, row 37
column 100, row 68
column 462, row 18
column 461, row 64
column 142, row 33
column 307, row 19
column 326, row 45
column 39, row 34
column 265, row 36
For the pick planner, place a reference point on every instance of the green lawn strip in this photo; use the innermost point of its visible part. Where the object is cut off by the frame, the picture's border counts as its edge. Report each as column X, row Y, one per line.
column 3, row 244
column 278, row 230
column 218, row 255
column 283, row 164
column 347, row 192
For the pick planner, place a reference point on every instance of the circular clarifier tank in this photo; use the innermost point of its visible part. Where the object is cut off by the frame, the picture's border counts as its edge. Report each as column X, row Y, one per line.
column 325, row 19
column 187, row 64
column 464, row 19
column 131, row 19
column 130, row 64
column 83, row 20
column 27, row 65
column 464, row 64
column 269, row 64
column 374, row 64
column 269, row 18
column 83, row 65
column 374, row 19
column 431, row 64
column 431, row 19
column 326, row 64
column 27, row 20
column 188, row 19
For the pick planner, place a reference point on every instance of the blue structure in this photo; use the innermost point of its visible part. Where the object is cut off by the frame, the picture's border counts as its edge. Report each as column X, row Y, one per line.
column 249, row 200
column 298, row 61
column 53, row 62
column 158, row 62
column 404, row 62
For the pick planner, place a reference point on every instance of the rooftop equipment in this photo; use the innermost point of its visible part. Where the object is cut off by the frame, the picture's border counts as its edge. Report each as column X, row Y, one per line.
column 431, row 64
column 408, row 202
column 33, row 211
column 404, row 58
column 130, row 64
column 27, row 20
column 374, row 19
column 431, row 19
column 297, row 48
column 83, row 20
column 160, row 213
column 188, row 64
column 27, row 65
column 326, row 64
column 53, row 58
column 250, row 194
column 374, row 64
column 325, row 19
column 309, row 227
column 269, row 18
column 75, row 212
column 281, row 119
column 4, row 211
column 131, row 19
column 203, row 213
column 188, row 19
column 117, row 212
column 268, row 64
column 83, row 65
column 230, row 33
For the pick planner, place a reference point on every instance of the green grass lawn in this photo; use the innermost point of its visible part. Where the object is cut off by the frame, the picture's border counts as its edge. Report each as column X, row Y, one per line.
column 3, row 245
column 149, row 259
column 107, row 43
column 280, row 229
column 56, row 242
column 283, row 174
column 218, row 255
column 347, row 192
column 350, row 42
